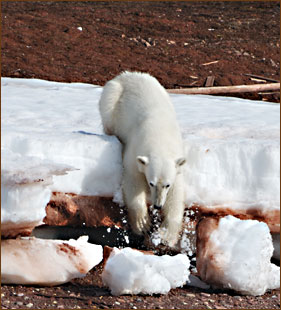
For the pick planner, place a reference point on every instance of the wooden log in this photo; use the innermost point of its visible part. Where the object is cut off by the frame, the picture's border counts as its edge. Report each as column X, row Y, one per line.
column 262, row 78
column 226, row 89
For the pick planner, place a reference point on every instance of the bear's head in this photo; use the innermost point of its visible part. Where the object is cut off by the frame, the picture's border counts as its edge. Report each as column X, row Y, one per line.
column 160, row 175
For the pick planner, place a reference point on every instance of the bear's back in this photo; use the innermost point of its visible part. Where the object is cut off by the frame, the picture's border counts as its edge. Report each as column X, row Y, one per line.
column 142, row 91
column 143, row 100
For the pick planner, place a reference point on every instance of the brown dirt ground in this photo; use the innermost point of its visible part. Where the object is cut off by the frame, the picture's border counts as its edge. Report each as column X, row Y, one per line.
column 170, row 40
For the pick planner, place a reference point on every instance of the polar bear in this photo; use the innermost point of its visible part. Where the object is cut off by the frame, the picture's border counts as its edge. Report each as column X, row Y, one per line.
column 137, row 109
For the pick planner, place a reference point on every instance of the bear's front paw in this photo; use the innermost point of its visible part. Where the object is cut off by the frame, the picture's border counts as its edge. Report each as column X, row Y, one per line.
column 168, row 238
column 140, row 221
column 170, row 234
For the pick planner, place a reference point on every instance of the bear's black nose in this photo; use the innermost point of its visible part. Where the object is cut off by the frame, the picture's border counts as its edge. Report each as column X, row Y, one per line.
column 157, row 207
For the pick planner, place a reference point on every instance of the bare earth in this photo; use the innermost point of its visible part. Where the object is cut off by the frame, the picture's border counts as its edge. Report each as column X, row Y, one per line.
column 181, row 44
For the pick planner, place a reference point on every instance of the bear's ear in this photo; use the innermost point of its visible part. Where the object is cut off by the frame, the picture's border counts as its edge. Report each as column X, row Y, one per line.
column 143, row 160
column 181, row 161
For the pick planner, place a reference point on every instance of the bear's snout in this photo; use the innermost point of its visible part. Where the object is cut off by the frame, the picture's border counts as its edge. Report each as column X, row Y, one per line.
column 157, row 207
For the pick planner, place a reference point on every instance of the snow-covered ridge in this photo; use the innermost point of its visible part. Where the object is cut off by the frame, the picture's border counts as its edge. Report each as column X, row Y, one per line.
column 232, row 145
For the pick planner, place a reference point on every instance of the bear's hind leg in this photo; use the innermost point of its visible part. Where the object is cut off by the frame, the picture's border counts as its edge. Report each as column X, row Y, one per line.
column 134, row 191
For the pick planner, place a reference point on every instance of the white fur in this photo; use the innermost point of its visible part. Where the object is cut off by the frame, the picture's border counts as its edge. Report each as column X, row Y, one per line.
column 137, row 109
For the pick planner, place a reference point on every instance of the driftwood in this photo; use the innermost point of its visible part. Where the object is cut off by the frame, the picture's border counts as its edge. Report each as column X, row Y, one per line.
column 210, row 80
column 226, row 89
column 262, row 78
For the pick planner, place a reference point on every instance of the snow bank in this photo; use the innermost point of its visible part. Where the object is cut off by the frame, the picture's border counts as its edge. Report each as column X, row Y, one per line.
column 233, row 151
column 47, row 262
column 60, row 122
column 232, row 145
column 235, row 254
column 129, row 271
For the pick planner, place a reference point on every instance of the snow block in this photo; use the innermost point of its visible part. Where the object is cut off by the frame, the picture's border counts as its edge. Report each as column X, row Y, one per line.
column 47, row 262
column 129, row 271
column 235, row 254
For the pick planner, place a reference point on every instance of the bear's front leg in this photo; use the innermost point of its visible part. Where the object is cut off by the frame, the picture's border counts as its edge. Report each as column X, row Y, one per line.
column 173, row 214
column 134, row 191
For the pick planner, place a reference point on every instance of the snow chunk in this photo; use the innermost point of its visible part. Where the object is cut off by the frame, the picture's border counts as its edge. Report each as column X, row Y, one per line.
column 237, row 256
column 25, row 182
column 129, row 271
column 47, row 262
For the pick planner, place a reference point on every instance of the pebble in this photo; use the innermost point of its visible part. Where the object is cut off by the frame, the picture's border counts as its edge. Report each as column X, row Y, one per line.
column 205, row 294
column 20, row 294
column 207, row 305
column 117, row 303
column 29, row 305
column 190, row 295
column 19, row 303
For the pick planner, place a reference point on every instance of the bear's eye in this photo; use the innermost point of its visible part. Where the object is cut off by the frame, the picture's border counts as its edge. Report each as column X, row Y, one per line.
column 151, row 184
column 167, row 186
